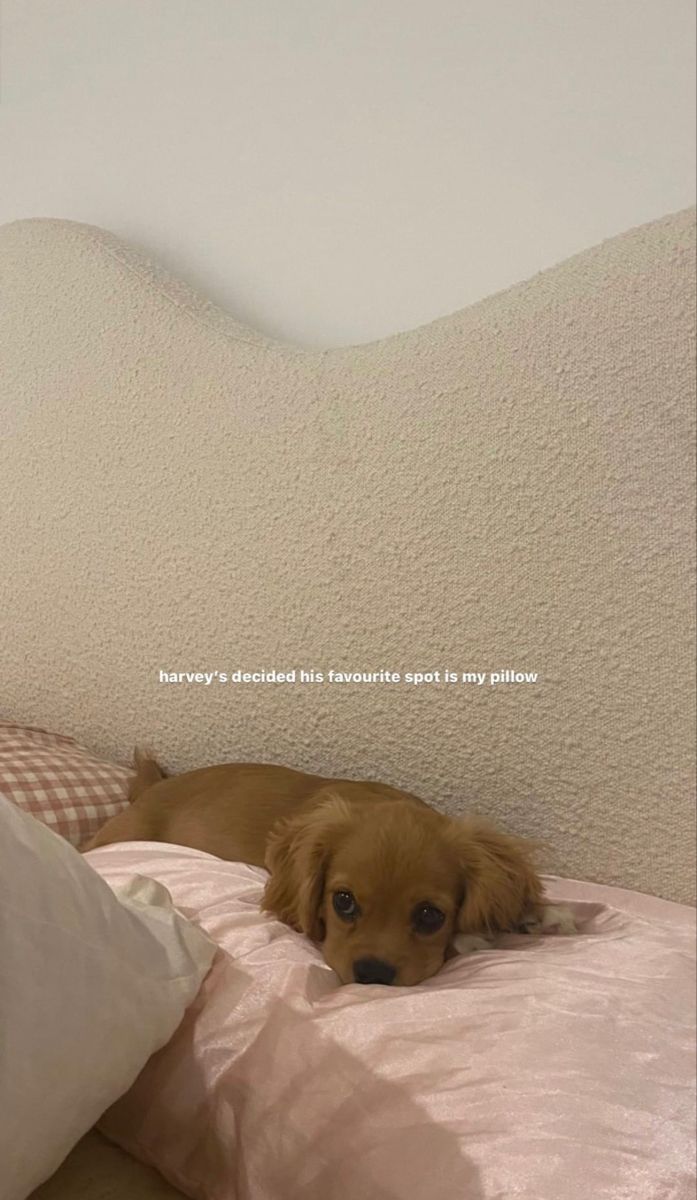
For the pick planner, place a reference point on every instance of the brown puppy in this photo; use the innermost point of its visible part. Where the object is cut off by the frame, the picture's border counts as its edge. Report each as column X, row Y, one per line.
column 380, row 880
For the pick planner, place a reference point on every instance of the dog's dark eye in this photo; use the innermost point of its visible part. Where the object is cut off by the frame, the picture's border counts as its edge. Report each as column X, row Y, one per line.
column 345, row 905
column 426, row 918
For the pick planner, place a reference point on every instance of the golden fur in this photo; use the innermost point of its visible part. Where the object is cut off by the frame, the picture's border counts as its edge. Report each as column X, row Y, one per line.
column 383, row 853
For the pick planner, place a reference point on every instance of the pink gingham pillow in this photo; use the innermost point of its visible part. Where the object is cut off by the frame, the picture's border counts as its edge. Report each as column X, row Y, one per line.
column 60, row 782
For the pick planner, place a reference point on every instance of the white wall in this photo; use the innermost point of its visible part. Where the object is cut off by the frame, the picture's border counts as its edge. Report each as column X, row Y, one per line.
column 336, row 170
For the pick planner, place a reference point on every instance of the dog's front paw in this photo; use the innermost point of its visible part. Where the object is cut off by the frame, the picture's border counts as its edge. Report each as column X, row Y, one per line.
column 551, row 919
column 467, row 943
column 532, row 923
column 557, row 918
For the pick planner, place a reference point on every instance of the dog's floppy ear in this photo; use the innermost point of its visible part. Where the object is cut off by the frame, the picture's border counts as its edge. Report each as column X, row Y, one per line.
column 500, row 883
column 297, row 855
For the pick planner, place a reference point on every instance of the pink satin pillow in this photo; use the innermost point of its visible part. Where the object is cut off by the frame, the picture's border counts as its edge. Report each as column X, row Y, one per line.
column 554, row 1068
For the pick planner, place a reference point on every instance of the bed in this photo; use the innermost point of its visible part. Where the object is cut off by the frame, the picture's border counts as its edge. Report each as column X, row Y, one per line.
column 506, row 492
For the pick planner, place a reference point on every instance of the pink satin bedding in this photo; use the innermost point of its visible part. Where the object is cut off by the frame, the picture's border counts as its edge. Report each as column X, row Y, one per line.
column 556, row 1068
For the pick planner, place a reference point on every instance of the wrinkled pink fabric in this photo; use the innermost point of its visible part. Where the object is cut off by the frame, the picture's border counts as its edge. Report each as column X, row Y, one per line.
column 556, row 1068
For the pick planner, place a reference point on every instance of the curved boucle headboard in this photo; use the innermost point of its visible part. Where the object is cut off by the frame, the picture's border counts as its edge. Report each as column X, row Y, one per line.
column 506, row 489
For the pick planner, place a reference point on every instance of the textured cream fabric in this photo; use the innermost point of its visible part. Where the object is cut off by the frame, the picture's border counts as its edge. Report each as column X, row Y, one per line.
column 509, row 487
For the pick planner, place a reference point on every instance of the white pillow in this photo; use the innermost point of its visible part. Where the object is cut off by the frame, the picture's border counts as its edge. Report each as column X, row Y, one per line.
column 90, row 986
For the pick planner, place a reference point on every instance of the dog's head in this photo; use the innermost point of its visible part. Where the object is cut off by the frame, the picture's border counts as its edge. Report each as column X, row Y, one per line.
column 384, row 887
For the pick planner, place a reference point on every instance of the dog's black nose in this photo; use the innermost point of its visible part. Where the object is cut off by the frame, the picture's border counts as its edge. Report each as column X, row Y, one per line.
column 373, row 970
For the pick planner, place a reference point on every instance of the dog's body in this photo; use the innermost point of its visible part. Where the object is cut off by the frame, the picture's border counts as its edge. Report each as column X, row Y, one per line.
column 227, row 810
column 381, row 880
